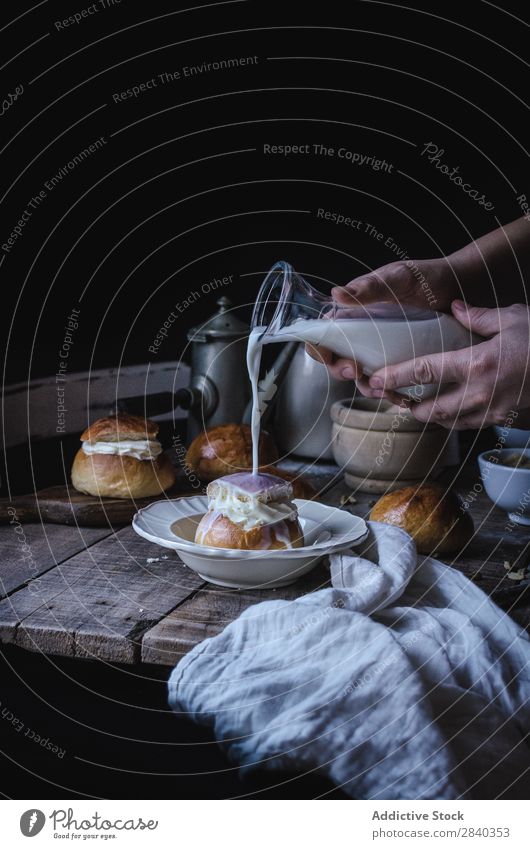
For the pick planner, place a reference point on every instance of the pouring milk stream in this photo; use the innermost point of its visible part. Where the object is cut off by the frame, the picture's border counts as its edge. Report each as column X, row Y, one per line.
column 289, row 309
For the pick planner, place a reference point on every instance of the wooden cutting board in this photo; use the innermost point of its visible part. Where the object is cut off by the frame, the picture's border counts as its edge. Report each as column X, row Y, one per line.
column 63, row 505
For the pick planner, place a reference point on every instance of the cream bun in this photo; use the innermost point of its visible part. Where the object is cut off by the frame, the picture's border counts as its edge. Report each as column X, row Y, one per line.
column 247, row 511
column 121, row 457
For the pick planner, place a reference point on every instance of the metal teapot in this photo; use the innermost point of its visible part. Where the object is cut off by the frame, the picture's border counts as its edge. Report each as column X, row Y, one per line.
column 219, row 388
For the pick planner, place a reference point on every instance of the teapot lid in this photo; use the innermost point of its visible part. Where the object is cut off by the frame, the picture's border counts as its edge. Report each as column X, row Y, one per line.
column 222, row 325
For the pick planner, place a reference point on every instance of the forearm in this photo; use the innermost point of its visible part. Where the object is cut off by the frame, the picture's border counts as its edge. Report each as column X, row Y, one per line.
column 490, row 268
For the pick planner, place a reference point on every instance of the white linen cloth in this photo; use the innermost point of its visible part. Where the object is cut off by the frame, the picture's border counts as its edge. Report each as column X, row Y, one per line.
column 401, row 681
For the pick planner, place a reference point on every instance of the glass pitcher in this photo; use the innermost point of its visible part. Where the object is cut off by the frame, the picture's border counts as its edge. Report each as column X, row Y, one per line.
column 288, row 308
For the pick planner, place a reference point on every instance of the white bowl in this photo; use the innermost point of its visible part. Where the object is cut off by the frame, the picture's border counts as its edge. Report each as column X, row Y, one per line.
column 172, row 524
column 512, row 437
column 508, row 487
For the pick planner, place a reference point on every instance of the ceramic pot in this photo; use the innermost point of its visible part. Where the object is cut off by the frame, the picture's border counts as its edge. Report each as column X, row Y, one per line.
column 382, row 447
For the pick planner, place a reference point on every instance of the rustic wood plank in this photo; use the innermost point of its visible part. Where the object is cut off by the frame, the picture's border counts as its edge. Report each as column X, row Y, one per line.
column 69, row 612
column 63, row 505
column 31, row 402
column 99, row 602
column 210, row 610
column 31, row 550
column 340, row 494
column 108, row 602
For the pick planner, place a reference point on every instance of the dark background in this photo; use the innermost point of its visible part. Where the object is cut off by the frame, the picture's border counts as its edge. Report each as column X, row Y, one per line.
column 171, row 201
column 182, row 193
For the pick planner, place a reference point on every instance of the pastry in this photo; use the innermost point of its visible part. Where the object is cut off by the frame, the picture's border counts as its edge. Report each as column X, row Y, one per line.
column 225, row 449
column 249, row 511
column 121, row 457
column 430, row 513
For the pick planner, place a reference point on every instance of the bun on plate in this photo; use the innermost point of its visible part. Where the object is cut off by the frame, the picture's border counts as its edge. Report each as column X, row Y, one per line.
column 253, row 512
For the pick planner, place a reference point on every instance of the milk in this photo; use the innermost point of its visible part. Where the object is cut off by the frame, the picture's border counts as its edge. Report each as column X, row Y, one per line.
column 374, row 342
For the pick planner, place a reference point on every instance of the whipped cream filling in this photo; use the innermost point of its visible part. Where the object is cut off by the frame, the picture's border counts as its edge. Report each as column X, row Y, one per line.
column 250, row 513
column 141, row 449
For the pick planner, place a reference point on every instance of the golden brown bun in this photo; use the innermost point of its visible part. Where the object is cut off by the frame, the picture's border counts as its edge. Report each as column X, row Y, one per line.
column 223, row 533
column 301, row 486
column 120, row 427
column 109, row 475
column 432, row 515
column 226, row 449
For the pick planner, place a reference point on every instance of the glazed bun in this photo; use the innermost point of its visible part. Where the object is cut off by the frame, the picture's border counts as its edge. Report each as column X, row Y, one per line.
column 121, row 458
column 226, row 449
column 253, row 512
column 432, row 515
column 223, row 533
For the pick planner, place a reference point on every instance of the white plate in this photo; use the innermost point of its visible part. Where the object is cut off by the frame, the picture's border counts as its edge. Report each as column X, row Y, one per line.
column 172, row 524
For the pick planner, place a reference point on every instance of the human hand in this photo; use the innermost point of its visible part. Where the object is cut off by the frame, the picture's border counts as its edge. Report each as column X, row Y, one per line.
column 487, row 382
column 424, row 283
column 427, row 284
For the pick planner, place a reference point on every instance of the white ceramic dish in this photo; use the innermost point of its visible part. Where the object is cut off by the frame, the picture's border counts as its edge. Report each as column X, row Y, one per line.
column 512, row 437
column 172, row 524
column 508, row 487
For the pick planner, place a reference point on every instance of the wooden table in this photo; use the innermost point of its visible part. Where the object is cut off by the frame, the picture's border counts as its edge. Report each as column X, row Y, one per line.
column 113, row 596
